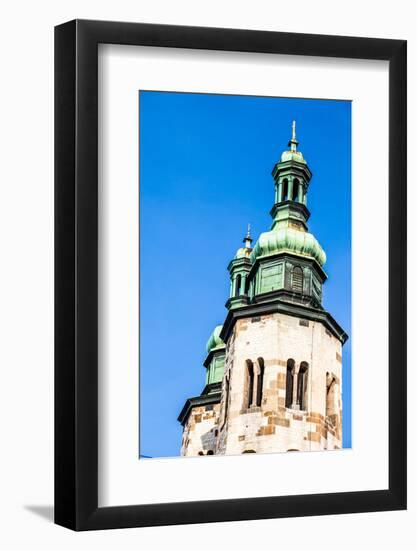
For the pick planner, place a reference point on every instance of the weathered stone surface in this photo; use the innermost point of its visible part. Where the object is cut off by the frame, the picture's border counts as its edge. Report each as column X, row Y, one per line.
column 271, row 427
column 266, row 430
column 201, row 431
column 280, row 338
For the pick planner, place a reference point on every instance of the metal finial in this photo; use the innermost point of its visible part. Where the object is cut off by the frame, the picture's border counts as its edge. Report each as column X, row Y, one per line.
column 248, row 239
column 293, row 141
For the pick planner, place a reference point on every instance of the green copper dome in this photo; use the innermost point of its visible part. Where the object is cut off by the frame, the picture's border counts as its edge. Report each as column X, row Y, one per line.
column 287, row 239
column 215, row 342
column 243, row 253
column 296, row 156
column 293, row 154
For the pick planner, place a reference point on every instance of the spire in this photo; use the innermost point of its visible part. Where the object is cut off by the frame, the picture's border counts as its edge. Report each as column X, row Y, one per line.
column 248, row 239
column 292, row 177
column 293, row 141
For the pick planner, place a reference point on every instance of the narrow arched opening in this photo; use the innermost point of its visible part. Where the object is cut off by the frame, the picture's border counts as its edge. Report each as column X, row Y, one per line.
column 302, row 386
column 260, row 381
column 331, row 408
column 296, row 190
column 237, row 284
column 284, row 189
column 249, row 383
column 289, row 383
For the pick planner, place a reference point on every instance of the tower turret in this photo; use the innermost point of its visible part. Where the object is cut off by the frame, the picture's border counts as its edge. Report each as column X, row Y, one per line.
column 239, row 269
column 214, row 361
column 292, row 177
column 288, row 260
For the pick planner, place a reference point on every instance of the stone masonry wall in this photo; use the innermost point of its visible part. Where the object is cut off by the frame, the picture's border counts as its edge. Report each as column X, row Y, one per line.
column 272, row 427
column 200, row 431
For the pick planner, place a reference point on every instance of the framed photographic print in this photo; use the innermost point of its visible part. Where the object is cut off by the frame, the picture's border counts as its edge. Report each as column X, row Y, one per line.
column 230, row 275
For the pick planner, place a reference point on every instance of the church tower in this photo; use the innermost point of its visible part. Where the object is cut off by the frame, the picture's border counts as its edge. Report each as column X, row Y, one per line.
column 281, row 381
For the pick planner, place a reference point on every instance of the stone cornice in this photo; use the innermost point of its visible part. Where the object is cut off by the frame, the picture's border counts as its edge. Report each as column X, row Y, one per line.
column 204, row 399
column 288, row 296
column 277, row 305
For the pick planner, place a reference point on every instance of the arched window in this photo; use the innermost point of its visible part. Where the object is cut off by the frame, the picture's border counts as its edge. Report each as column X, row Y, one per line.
column 297, row 279
column 302, row 386
column 210, row 453
column 289, row 385
column 200, row 453
column 295, row 189
column 237, row 283
column 248, row 451
column 331, row 410
column 284, row 189
column 260, row 382
column 250, row 381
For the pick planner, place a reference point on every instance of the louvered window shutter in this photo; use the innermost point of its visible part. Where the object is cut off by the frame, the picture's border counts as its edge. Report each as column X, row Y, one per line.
column 297, row 279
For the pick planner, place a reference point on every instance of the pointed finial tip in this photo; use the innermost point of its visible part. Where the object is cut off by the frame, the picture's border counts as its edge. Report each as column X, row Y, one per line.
column 248, row 239
column 293, row 141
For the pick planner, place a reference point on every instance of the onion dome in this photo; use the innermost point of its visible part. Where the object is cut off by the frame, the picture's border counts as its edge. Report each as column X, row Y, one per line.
column 243, row 253
column 287, row 239
column 215, row 343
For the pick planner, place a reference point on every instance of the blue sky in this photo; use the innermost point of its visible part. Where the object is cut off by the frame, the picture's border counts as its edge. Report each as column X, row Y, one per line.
column 205, row 173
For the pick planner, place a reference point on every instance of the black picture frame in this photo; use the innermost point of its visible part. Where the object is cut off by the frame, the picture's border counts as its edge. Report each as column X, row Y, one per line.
column 76, row 273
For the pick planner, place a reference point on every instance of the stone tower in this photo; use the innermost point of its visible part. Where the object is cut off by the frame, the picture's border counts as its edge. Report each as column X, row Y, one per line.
column 282, row 351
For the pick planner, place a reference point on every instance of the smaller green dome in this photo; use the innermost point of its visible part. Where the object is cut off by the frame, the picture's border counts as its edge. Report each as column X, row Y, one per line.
column 290, row 240
column 243, row 253
column 215, row 342
column 293, row 155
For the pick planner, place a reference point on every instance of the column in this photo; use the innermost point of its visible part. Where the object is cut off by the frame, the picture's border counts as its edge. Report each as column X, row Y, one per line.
column 233, row 294
column 252, row 289
column 255, row 383
column 300, row 192
column 290, row 184
column 242, row 285
column 295, row 403
column 279, row 192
